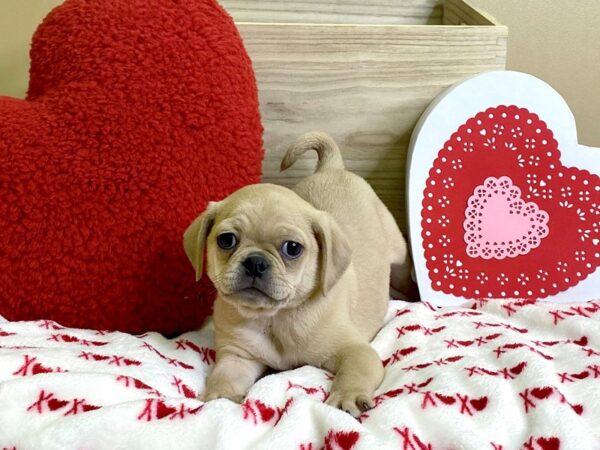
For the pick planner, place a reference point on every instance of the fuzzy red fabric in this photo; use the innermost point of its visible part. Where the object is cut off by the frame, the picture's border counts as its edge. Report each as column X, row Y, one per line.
column 138, row 113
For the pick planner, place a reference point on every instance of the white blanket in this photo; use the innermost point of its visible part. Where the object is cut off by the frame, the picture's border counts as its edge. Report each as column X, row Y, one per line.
column 486, row 376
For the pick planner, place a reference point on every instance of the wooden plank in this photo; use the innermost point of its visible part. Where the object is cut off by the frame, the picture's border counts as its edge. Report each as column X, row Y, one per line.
column 365, row 85
column 397, row 12
column 461, row 12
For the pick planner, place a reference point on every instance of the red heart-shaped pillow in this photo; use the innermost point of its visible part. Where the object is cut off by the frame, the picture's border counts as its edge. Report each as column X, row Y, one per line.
column 138, row 113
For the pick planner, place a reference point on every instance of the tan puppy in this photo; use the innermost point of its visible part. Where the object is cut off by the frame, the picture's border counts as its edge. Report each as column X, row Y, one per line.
column 303, row 277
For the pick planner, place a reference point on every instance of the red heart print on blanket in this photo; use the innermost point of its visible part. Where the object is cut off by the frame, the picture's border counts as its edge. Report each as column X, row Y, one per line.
column 54, row 404
column 551, row 443
column 542, row 393
column 479, row 403
column 524, row 226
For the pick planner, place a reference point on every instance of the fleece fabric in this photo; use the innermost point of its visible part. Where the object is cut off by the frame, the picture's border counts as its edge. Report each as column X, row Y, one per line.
column 138, row 113
column 496, row 375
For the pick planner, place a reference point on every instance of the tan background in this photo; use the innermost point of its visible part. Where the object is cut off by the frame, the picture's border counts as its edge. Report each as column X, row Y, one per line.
column 18, row 20
column 556, row 40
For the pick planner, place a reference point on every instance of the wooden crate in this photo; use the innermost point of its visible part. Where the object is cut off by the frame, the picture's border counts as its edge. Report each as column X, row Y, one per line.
column 361, row 71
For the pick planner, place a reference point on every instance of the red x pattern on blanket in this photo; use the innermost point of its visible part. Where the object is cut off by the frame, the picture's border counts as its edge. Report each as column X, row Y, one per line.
column 498, row 376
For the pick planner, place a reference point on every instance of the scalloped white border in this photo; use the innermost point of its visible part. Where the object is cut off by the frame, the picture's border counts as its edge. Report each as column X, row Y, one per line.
column 454, row 107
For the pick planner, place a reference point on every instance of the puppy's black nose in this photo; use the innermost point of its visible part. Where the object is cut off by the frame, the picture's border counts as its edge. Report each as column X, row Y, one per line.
column 255, row 265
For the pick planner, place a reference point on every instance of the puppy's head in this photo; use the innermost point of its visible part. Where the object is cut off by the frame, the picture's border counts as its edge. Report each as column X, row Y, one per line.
column 267, row 249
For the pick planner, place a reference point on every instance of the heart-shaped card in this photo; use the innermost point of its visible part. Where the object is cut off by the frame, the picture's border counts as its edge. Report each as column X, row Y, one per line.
column 503, row 201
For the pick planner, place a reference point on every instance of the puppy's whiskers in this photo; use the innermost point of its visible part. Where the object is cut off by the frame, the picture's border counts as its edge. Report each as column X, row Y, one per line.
column 295, row 290
column 223, row 279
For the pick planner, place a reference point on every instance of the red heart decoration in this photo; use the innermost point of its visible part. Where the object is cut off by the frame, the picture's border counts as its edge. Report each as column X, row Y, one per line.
column 543, row 392
column 551, row 443
column 518, row 368
column 140, row 384
column 525, row 226
column 581, row 375
column 138, row 113
column 163, row 410
column 87, row 408
column 131, row 362
column 344, row 440
column 578, row 409
column 446, row 399
column 394, row 393
column 266, row 412
column 38, row 368
column 479, row 403
column 54, row 404
column 188, row 392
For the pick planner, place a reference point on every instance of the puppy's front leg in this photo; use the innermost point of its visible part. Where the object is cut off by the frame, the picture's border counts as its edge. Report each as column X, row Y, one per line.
column 231, row 378
column 358, row 372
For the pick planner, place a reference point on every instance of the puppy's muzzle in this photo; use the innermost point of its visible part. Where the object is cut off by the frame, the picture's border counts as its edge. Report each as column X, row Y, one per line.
column 255, row 265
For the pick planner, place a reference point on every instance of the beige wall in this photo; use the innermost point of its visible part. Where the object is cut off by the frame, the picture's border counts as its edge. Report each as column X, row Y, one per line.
column 556, row 40
column 18, row 21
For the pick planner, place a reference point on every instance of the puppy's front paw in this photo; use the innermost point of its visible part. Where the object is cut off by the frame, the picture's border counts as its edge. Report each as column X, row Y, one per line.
column 353, row 402
column 221, row 391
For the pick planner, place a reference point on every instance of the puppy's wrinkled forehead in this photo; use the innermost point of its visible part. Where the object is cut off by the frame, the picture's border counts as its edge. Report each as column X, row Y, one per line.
column 263, row 212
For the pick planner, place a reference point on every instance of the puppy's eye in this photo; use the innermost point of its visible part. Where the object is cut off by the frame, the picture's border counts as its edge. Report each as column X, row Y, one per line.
column 226, row 241
column 291, row 249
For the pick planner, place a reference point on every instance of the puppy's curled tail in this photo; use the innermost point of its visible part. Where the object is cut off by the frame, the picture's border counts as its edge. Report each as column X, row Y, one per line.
column 329, row 153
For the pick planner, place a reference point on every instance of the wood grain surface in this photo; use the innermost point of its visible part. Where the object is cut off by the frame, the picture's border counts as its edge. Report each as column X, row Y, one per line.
column 461, row 12
column 366, row 85
column 414, row 12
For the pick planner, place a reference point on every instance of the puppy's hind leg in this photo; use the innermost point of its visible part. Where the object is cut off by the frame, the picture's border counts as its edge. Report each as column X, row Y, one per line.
column 358, row 372
column 402, row 287
column 401, row 284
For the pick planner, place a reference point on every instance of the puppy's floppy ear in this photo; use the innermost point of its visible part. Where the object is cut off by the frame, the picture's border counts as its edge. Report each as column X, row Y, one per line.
column 194, row 238
column 334, row 250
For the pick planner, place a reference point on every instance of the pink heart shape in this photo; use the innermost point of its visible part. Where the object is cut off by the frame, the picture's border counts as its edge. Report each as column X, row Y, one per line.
column 499, row 224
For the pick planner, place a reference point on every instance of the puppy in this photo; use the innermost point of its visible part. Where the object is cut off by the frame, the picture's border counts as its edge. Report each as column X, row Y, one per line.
column 303, row 277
